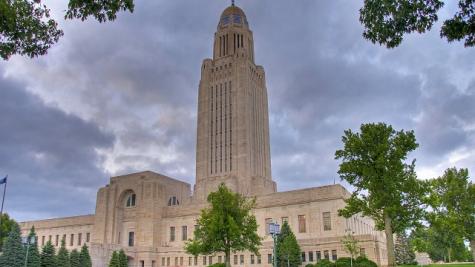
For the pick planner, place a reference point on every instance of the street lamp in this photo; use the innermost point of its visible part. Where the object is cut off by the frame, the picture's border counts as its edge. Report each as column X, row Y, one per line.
column 28, row 241
column 274, row 230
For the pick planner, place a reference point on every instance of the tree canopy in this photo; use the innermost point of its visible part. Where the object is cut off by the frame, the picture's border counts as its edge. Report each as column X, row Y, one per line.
column 386, row 187
column 13, row 253
column 63, row 255
column 33, row 253
column 84, row 257
column 387, row 21
column 5, row 227
column 227, row 225
column 48, row 256
column 74, row 258
column 287, row 247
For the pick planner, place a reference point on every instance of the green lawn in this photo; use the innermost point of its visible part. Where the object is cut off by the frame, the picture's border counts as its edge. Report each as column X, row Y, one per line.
column 453, row 265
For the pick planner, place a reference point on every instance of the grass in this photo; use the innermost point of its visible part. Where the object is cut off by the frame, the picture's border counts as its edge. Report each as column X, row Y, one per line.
column 453, row 265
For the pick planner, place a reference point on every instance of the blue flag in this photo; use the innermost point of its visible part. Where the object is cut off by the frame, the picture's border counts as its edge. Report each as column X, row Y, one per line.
column 4, row 180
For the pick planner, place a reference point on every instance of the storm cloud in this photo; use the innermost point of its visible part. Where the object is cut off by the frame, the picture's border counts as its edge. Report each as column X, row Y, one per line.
column 121, row 97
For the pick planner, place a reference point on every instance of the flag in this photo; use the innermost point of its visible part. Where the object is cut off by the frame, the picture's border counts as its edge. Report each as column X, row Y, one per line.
column 4, row 180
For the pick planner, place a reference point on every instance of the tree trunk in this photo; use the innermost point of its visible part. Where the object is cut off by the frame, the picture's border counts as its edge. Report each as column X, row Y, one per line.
column 472, row 245
column 227, row 258
column 448, row 253
column 389, row 240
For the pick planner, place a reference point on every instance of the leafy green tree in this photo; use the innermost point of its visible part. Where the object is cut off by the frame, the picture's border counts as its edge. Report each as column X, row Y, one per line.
column 33, row 253
column 63, row 255
column 84, row 257
column 350, row 245
column 123, row 262
column 386, row 187
column 13, row 253
column 226, row 226
column 74, row 258
column 403, row 250
column 452, row 199
column 287, row 247
column 114, row 261
column 48, row 255
column 26, row 27
column 386, row 21
column 6, row 226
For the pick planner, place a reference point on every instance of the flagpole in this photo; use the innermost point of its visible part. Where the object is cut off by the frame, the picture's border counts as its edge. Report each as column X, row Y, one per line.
column 3, row 200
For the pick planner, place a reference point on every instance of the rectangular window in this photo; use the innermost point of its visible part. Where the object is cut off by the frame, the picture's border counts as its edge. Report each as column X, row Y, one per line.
column 302, row 224
column 43, row 240
column 310, row 256
column 362, row 252
column 176, row 261
column 189, row 261
column 220, row 259
column 285, row 220
column 303, row 257
column 64, row 238
column 184, row 233
column 168, row 261
column 327, row 221
column 49, row 238
column 334, row 256
column 71, row 241
column 259, row 259
column 241, row 259
column 326, row 255
column 88, row 237
column 268, row 222
column 196, row 260
column 269, row 258
column 181, row 261
column 118, row 239
column 131, row 239
column 319, row 256
column 79, row 239
column 204, row 260
column 153, row 263
column 235, row 259
column 142, row 263
column 210, row 260
column 56, row 242
column 172, row 233
column 163, row 261
column 252, row 259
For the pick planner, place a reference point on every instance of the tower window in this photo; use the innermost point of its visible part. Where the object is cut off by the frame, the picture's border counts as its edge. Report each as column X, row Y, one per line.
column 130, row 200
column 327, row 223
column 131, row 239
column 173, row 201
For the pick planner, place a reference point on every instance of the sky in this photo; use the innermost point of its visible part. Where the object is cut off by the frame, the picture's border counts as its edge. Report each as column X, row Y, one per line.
column 121, row 97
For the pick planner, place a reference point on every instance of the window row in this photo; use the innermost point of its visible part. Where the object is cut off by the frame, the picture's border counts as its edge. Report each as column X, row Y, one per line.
column 302, row 222
column 72, row 238
column 184, row 233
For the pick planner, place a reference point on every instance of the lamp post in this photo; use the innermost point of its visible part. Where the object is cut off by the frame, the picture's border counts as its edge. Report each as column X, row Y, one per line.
column 274, row 230
column 28, row 241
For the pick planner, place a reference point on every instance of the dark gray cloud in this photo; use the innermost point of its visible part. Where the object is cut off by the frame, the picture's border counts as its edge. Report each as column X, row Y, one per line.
column 136, row 79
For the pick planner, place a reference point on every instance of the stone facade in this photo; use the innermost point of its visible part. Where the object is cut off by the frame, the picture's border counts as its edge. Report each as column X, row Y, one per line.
column 150, row 215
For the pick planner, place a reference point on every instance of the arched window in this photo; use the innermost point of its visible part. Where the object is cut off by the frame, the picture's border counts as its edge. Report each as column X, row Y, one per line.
column 130, row 200
column 173, row 201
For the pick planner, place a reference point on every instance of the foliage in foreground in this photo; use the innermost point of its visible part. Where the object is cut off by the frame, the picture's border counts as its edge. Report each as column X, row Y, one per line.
column 13, row 253
column 226, row 226
column 288, row 249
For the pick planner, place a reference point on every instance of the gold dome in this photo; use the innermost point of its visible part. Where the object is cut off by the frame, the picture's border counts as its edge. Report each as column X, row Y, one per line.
column 233, row 15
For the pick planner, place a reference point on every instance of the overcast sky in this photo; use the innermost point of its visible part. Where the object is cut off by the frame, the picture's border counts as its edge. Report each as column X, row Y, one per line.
column 121, row 97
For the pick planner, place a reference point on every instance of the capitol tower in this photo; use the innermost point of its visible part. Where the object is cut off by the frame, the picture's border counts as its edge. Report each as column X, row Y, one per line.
column 233, row 118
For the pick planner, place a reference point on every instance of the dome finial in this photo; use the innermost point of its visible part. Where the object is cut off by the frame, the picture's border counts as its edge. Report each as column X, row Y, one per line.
column 232, row 2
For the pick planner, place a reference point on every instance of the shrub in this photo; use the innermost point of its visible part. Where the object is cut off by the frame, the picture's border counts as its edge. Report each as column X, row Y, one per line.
column 364, row 262
column 309, row 265
column 325, row 263
column 218, row 265
column 343, row 262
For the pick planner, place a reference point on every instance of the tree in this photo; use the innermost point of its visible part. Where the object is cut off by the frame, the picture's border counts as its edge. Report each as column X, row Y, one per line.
column 114, row 261
column 403, row 251
column 74, row 258
column 227, row 225
column 84, row 257
column 386, row 22
column 33, row 253
column 288, row 250
column 48, row 256
column 63, row 255
column 13, row 253
column 123, row 262
column 452, row 202
column 350, row 244
column 5, row 227
column 386, row 187
column 26, row 27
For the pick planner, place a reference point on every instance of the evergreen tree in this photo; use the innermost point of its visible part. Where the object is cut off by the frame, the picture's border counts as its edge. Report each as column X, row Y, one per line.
column 33, row 253
column 63, row 255
column 84, row 257
column 48, row 255
column 123, row 262
column 74, row 258
column 288, row 250
column 13, row 252
column 114, row 262
column 403, row 250
column 5, row 227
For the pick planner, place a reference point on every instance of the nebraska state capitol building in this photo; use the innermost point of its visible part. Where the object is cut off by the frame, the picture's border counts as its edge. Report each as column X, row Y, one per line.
column 150, row 215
